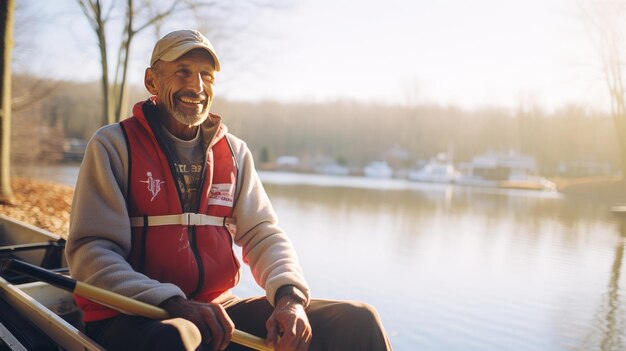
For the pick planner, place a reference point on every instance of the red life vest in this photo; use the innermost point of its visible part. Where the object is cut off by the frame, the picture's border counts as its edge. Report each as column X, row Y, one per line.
column 191, row 250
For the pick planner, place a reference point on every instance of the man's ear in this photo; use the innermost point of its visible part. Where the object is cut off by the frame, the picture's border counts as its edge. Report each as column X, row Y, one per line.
column 149, row 81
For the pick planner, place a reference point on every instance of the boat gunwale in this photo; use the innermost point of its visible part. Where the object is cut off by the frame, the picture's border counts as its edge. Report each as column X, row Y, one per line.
column 62, row 332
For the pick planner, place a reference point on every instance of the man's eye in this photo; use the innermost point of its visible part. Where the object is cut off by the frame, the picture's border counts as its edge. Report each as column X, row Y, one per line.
column 183, row 72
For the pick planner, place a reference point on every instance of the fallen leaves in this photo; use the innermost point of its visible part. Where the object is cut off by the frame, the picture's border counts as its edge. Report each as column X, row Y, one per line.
column 43, row 204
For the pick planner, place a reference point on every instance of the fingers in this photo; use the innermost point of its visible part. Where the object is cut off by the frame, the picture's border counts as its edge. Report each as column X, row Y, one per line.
column 211, row 319
column 272, row 332
column 296, row 334
column 304, row 330
column 218, row 327
column 226, row 324
column 298, row 337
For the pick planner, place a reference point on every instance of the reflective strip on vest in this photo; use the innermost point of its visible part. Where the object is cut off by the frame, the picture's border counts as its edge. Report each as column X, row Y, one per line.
column 187, row 218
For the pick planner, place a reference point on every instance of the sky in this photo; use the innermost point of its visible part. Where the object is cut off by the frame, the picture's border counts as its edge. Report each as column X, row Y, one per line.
column 471, row 54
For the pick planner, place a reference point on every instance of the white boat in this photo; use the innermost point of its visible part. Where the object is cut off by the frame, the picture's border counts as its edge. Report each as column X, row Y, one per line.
column 504, row 170
column 378, row 169
column 332, row 168
column 437, row 170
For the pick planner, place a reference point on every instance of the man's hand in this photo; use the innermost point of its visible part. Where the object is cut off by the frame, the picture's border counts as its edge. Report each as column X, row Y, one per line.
column 288, row 327
column 210, row 318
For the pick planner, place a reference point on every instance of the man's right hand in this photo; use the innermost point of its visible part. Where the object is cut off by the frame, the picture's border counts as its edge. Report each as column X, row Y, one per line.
column 210, row 318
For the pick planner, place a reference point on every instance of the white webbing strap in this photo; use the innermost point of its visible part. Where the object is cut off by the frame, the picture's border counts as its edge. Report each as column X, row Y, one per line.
column 183, row 219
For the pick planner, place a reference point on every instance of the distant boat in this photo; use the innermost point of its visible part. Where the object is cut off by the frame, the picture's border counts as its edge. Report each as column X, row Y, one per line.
column 287, row 162
column 332, row 169
column 437, row 170
column 519, row 179
column 510, row 170
column 74, row 149
column 619, row 210
column 378, row 169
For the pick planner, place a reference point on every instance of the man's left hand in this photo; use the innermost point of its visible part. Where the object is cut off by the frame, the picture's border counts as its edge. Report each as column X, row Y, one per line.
column 288, row 327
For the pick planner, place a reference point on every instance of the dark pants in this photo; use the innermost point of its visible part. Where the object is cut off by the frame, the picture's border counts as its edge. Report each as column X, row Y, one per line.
column 337, row 325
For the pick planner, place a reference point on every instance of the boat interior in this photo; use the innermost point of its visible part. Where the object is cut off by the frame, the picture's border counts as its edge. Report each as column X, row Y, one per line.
column 33, row 314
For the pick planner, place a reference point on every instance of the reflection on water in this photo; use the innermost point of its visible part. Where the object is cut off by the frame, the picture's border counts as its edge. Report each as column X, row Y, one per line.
column 452, row 268
column 609, row 320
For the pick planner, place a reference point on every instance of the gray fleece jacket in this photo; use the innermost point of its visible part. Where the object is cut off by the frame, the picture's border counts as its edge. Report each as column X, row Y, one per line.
column 99, row 240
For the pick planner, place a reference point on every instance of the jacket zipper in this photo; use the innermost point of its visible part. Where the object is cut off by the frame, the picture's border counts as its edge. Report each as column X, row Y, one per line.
column 191, row 229
column 194, row 248
column 193, row 238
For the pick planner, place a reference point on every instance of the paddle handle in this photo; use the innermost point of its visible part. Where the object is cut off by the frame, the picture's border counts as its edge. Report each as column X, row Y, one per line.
column 116, row 301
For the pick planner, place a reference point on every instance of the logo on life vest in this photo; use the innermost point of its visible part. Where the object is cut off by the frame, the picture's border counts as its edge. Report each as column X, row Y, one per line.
column 154, row 185
column 222, row 194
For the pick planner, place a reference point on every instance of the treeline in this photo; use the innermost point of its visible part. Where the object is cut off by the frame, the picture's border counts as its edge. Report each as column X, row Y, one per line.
column 361, row 133
column 356, row 133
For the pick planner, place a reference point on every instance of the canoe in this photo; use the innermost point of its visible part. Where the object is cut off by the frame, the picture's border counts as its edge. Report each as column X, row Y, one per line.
column 35, row 315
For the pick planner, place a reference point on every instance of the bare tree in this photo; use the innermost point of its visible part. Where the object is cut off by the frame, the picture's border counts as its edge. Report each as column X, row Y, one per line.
column 114, row 92
column 6, row 33
column 93, row 11
column 100, row 14
column 605, row 20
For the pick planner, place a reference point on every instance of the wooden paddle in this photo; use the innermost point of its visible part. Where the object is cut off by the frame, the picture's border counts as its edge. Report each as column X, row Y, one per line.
column 116, row 301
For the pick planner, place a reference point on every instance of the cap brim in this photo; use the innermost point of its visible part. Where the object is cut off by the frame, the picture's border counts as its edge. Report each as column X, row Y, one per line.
column 174, row 54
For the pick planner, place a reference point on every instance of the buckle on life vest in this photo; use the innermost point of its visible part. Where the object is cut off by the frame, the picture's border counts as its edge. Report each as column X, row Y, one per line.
column 185, row 218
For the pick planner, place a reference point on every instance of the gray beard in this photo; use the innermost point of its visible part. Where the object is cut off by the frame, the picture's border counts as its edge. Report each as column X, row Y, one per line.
column 190, row 120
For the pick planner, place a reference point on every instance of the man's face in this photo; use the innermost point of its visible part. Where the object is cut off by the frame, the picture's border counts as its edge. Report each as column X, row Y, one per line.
column 184, row 88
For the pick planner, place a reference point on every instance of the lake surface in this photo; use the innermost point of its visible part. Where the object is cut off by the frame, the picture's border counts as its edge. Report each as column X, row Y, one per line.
column 454, row 268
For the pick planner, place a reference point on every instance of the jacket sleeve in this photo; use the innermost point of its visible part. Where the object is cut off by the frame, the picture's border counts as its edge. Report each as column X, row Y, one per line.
column 265, row 246
column 99, row 239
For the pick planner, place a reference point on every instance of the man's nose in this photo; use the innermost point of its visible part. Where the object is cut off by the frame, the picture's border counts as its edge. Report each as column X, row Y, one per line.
column 195, row 83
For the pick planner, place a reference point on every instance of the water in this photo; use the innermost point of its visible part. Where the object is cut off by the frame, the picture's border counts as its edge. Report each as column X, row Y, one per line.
column 453, row 268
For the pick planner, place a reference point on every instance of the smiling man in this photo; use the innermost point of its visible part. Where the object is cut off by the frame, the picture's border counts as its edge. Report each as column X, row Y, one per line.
column 159, row 201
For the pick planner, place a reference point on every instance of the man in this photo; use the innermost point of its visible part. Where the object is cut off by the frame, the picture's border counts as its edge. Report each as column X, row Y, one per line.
column 159, row 201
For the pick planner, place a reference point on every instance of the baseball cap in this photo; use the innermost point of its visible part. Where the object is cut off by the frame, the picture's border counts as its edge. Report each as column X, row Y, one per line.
column 178, row 43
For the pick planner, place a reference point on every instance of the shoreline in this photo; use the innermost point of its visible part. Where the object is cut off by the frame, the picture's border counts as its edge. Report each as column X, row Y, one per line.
column 47, row 204
column 607, row 189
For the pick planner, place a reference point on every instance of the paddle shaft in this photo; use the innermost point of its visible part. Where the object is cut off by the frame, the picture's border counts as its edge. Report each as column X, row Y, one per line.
column 116, row 301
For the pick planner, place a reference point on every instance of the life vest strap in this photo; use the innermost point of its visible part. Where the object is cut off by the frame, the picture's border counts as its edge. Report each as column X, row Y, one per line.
column 187, row 218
